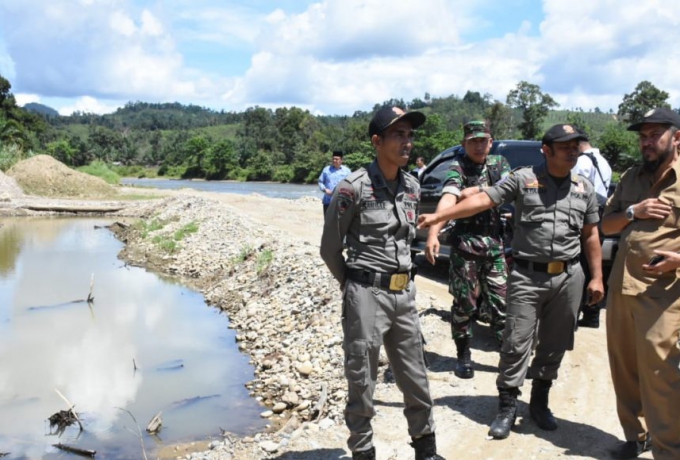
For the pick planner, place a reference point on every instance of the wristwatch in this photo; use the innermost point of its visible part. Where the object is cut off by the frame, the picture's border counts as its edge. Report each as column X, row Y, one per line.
column 630, row 213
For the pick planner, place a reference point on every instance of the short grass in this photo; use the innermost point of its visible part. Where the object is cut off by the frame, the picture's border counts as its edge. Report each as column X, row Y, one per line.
column 100, row 169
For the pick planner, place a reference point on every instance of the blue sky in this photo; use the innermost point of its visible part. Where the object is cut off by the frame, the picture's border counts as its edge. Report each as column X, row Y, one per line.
column 332, row 56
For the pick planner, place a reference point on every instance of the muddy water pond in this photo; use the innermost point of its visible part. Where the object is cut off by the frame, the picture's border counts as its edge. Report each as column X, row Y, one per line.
column 186, row 359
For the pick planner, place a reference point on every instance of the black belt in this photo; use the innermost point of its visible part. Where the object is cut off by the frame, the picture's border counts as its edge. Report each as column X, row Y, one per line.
column 391, row 281
column 552, row 268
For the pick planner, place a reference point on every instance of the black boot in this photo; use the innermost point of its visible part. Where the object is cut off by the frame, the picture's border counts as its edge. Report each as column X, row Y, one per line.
column 591, row 317
column 464, row 368
column 538, row 405
column 426, row 448
column 364, row 454
column 507, row 412
column 632, row 449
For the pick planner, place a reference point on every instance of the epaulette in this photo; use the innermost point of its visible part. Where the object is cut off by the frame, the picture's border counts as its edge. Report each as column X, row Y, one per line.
column 355, row 175
column 521, row 167
column 410, row 177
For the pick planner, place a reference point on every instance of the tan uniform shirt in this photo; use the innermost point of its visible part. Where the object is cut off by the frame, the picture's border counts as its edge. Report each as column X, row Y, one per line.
column 377, row 224
column 548, row 218
column 641, row 237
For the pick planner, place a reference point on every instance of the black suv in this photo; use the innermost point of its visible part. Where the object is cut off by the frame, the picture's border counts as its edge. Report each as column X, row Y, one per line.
column 518, row 153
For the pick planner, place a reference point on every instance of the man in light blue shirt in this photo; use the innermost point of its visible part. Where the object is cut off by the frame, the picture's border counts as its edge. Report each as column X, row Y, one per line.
column 330, row 177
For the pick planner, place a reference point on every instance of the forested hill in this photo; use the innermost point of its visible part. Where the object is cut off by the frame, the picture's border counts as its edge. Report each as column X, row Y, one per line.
column 151, row 117
column 289, row 144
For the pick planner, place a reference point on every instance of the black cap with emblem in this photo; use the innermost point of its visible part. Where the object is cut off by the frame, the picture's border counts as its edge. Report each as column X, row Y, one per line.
column 660, row 115
column 387, row 116
column 562, row 133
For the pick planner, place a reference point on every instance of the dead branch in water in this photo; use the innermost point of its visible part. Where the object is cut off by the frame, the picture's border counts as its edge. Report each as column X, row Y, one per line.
column 155, row 423
column 76, row 450
column 139, row 432
column 71, row 406
column 72, row 208
column 90, row 298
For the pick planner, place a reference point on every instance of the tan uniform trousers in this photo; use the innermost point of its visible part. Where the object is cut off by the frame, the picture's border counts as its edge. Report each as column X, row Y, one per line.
column 644, row 356
column 374, row 317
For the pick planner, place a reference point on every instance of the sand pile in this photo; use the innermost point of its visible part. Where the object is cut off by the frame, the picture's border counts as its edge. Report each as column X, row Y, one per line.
column 45, row 176
column 9, row 188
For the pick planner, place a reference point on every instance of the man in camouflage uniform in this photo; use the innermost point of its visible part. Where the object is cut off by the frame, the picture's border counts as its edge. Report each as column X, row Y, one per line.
column 477, row 270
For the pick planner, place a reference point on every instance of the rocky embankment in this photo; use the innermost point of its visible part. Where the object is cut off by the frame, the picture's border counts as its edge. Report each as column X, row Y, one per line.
column 280, row 298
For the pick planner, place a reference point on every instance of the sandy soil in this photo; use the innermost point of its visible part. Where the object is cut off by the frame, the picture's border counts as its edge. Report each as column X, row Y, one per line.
column 582, row 398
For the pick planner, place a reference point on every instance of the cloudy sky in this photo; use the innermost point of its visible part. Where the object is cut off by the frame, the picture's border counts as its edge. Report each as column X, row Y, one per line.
column 332, row 56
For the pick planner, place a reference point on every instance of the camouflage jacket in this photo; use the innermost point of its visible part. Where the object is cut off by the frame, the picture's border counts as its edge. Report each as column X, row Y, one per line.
column 479, row 234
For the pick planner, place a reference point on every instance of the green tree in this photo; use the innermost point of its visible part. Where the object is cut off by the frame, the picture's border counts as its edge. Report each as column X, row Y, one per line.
column 645, row 97
column 619, row 146
column 501, row 120
column 62, row 151
column 7, row 101
column 433, row 137
column 534, row 106
column 220, row 159
column 577, row 120
column 195, row 150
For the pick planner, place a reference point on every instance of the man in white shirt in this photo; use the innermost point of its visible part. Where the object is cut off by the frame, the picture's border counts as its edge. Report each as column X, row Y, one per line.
column 593, row 166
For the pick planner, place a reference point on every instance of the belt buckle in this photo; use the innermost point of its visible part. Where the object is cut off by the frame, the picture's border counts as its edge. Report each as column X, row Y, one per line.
column 555, row 268
column 399, row 281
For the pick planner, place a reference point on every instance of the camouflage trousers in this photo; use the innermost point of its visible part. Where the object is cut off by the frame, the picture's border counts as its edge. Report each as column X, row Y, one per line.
column 478, row 286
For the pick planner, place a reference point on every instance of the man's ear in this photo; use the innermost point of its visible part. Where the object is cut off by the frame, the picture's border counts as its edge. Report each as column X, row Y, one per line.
column 375, row 140
column 676, row 137
column 545, row 149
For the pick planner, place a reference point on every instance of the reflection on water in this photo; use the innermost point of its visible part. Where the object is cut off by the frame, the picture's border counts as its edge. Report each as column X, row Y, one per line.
column 188, row 364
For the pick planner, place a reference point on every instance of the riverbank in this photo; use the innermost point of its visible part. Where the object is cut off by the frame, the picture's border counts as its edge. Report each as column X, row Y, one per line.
column 257, row 258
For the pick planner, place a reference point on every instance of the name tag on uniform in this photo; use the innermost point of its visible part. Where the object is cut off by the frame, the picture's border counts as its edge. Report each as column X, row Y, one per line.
column 375, row 205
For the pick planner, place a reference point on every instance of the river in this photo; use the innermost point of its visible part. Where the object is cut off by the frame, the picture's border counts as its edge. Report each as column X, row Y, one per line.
column 144, row 344
column 270, row 189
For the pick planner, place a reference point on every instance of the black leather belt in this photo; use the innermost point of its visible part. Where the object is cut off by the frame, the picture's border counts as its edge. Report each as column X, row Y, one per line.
column 391, row 281
column 552, row 268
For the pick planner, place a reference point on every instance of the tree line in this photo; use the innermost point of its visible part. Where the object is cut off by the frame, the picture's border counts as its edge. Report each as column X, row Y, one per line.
column 291, row 144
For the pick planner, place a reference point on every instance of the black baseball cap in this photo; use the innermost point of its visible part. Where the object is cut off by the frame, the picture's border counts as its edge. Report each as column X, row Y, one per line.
column 660, row 115
column 387, row 116
column 562, row 133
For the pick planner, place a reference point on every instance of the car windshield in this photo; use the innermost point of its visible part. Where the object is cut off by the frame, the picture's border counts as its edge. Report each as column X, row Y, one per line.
column 519, row 155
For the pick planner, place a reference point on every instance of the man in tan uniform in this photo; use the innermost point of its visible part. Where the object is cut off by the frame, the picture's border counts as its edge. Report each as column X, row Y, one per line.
column 643, row 306
column 555, row 215
column 374, row 211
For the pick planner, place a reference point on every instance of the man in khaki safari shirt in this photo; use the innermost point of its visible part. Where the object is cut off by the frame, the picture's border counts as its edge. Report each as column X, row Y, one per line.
column 643, row 306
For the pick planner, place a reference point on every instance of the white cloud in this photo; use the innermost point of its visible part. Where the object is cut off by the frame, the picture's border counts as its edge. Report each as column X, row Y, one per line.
column 87, row 104
column 334, row 56
column 122, row 23
column 23, row 99
column 151, row 25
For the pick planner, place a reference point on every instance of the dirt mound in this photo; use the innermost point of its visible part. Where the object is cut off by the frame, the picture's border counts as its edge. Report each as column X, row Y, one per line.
column 9, row 187
column 45, row 176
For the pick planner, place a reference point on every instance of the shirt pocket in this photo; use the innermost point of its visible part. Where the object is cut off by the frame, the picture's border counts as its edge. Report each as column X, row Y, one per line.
column 673, row 219
column 577, row 213
column 629, row 197
column 532, row 210
column 374, row 224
